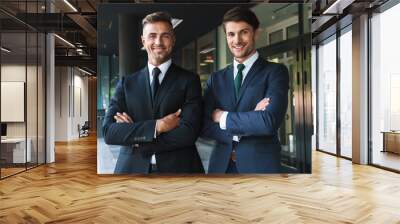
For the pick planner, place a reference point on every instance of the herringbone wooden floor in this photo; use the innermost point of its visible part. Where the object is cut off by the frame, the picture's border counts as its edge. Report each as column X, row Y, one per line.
column 70, row 191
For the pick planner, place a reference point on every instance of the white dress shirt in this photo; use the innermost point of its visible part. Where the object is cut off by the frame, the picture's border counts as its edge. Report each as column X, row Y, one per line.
column 163, row 68
column 248, row 63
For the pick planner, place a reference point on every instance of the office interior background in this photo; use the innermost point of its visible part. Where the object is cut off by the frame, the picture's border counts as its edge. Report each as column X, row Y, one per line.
column 53, row 72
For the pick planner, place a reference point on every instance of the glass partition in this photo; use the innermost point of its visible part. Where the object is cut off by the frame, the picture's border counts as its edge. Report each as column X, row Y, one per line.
column 206, row 54
column 326, row 117
column 15, row 152
column 385, row 89
column 346, row 92
column 22, row 88
column 32, row 98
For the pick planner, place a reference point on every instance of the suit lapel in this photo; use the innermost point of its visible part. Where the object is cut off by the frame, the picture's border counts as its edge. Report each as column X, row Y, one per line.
column 250, row 76
column 230, row 86
column 165, row 87
column 144, row 80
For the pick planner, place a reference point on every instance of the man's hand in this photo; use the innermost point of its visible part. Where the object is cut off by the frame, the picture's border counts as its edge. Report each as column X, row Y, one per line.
column 123, row 118
column 216, row 115
column 168, row 122
column 262, row 104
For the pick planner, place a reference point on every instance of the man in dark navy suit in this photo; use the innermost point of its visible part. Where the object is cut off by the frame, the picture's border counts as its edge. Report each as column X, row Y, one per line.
column 156, row 112
column 245, row 103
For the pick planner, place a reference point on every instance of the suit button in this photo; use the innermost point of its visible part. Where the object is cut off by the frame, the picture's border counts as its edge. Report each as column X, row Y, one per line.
column 233, row 156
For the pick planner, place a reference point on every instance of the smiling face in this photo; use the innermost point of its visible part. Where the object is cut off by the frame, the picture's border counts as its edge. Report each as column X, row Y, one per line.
column 158, row 39
column 241, row 38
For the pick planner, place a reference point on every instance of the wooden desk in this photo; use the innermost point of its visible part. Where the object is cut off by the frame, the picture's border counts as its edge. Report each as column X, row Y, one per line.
column 391, row 141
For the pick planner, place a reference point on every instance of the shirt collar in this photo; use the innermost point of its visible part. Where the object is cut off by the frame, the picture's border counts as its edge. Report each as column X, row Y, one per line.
column 163, row 67
column 248, row 62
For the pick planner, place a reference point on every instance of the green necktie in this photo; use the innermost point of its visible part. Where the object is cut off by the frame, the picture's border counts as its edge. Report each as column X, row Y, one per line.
column 238, row 79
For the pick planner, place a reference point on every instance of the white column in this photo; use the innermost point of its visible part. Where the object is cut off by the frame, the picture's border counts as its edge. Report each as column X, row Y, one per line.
column 360, row 90
column 50, row 94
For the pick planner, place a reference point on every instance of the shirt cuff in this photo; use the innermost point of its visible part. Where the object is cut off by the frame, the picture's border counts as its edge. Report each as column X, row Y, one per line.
column 155, row 130
column 222, row 120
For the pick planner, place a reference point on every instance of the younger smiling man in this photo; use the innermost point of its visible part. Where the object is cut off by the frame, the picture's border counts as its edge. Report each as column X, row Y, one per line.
column 245, row 103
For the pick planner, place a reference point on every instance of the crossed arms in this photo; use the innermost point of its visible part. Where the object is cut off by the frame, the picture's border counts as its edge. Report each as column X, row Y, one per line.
column 265, row 119
column 176, row 130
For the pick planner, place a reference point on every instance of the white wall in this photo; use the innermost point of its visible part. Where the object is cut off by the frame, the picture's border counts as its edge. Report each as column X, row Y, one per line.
column 71, row 102
column 61, row 103
column 16, row 73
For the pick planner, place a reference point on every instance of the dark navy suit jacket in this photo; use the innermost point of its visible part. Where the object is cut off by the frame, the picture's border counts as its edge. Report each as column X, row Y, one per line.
column 259, row 148
column 175, row 151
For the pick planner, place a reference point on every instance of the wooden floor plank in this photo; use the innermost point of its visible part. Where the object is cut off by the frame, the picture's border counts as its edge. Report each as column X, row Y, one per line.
column 70, row 191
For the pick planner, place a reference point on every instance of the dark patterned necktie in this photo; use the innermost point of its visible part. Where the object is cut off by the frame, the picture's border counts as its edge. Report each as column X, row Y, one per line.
column 238, row 79
column 155, row 84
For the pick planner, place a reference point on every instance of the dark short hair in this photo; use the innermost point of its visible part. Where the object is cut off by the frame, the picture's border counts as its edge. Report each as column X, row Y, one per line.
column 239, row 14
column 157, row 17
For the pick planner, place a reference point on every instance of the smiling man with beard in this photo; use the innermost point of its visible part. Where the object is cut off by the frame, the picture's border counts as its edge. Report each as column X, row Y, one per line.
column 245, row 103
column 155, row 113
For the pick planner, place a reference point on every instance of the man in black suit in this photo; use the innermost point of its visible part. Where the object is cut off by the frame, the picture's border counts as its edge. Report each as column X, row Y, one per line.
column 155, row 113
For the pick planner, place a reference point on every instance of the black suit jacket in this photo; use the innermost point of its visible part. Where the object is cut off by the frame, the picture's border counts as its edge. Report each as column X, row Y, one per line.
column 175, row 151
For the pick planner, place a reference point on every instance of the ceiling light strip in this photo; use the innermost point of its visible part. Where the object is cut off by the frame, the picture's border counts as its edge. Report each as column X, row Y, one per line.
column 64, row 40
column 84, row 71
column 5, row 49
column 70, row 5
